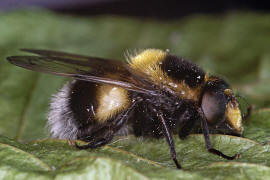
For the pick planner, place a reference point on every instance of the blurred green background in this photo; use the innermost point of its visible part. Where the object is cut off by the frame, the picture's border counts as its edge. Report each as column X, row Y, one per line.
column 233, row 45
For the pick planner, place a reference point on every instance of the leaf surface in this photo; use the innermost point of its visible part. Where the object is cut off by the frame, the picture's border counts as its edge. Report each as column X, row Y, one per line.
column 235, row 46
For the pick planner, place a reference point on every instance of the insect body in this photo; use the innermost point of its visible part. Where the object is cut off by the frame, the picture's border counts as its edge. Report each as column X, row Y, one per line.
column 155, row 94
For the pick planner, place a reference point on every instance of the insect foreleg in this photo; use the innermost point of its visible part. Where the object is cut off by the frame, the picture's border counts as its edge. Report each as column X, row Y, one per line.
column 208, row 144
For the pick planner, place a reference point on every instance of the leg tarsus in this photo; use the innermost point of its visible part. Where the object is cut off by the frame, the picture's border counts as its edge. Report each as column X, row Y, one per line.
column 217, row 152
column 178, row 166
column 95, row 144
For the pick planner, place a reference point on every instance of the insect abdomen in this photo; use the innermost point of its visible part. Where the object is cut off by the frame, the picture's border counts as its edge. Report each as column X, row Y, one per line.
column 60, row 117
column 80, row 107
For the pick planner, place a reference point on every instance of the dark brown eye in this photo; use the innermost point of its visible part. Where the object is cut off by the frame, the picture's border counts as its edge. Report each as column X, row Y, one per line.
column 213, row 105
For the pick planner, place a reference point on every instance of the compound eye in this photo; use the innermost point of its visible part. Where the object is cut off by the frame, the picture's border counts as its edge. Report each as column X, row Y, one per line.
column 213, row 105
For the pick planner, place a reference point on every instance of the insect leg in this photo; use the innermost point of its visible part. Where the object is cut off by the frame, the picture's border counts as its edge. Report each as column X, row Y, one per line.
column 207, row 139
column 169, row 139
column 107, row 135
column 96, row 143
column 188, row 120
column 123, row 118
column 185, row 130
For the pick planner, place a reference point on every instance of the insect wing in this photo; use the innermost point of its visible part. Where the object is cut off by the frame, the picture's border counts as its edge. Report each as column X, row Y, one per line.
column 79, row 67
column 96, row 63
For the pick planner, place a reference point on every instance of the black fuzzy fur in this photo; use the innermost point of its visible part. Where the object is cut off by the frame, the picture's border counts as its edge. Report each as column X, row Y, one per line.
column 181, row 69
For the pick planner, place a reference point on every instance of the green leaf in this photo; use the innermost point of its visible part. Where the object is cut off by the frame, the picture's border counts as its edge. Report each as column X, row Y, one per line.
column 130, row 157
column 257, row 126
column 235, row 46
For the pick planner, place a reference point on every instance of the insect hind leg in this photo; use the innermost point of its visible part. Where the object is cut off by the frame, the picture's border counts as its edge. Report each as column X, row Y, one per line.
column 105, row 134
column 96, row 143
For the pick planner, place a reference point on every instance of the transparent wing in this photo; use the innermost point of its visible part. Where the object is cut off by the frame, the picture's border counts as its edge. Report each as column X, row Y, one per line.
column 80, row 67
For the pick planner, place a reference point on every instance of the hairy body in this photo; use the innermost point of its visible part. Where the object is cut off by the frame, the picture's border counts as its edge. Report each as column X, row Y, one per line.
column 155, row 95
